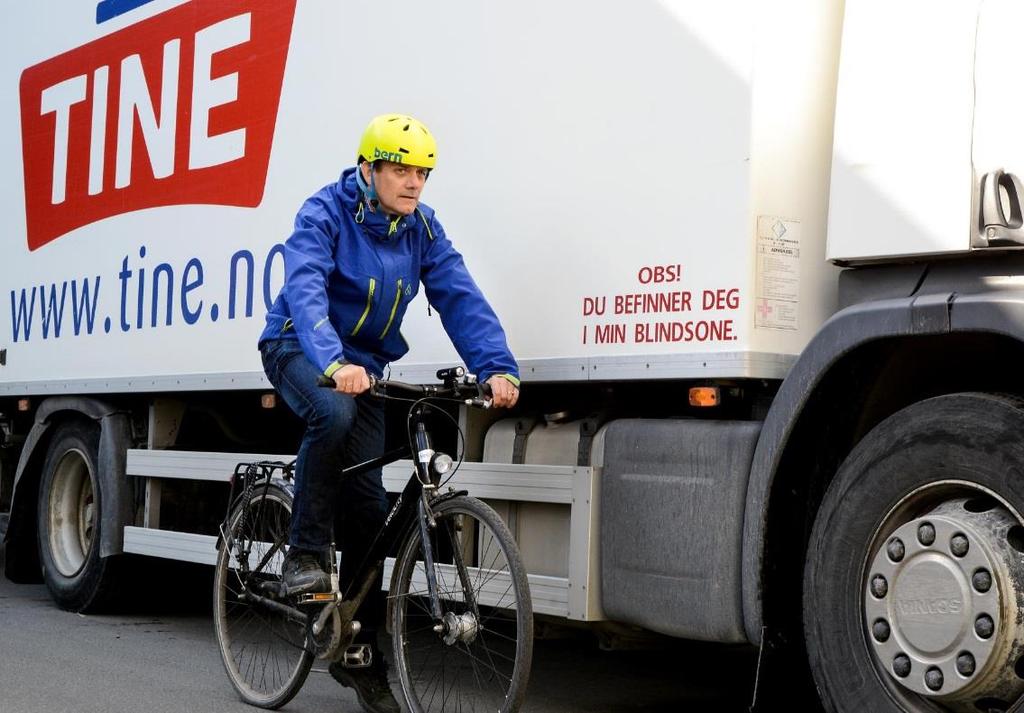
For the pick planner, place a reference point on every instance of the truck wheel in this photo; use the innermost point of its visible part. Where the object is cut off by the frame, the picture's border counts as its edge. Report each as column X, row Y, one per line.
column 69, row 520
column 914, row 580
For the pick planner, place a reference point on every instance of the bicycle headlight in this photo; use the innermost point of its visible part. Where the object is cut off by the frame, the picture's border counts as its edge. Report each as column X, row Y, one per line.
column 441, row 463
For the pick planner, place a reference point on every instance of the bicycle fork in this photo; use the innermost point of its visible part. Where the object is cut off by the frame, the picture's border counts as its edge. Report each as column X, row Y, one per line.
column 450, row 626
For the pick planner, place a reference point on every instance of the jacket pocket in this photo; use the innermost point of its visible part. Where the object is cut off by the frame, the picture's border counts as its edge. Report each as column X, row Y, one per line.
column 369, row 305
column 394, row 308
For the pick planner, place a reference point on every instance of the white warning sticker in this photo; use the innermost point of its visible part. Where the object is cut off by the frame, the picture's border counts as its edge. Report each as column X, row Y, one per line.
column 778, row 273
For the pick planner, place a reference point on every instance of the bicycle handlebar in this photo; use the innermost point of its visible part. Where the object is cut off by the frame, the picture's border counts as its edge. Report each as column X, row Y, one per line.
column 466, row 389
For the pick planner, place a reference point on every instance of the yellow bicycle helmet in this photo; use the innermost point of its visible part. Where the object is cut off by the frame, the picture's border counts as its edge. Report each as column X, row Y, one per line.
column 398, row 138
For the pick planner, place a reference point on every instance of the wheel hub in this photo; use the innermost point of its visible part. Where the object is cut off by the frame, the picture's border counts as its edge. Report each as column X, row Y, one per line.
column 941, row 610
column 460, row 628
column 928, row 603
column 71, row 513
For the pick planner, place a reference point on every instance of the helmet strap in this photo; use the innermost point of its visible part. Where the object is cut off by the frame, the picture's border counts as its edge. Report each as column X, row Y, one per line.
column 369, row 190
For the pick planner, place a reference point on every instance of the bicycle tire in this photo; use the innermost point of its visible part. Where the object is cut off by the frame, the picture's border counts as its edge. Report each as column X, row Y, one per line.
column 264, row 654
column 492, row 669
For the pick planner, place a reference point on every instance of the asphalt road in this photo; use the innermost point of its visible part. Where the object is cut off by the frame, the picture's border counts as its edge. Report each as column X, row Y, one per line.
column 162, row 658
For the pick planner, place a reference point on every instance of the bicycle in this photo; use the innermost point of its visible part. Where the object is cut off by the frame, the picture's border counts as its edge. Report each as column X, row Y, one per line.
column 459, row 607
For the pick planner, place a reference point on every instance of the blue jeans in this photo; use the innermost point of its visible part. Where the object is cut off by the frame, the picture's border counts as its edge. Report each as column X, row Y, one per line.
column 341, row 431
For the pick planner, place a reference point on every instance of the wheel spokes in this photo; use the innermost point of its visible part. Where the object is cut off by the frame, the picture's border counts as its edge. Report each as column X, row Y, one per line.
column 475, row 668
column 265, row 653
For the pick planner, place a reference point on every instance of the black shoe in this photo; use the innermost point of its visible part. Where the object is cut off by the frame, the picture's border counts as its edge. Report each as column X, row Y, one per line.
column 370, row 683
column 301, row 573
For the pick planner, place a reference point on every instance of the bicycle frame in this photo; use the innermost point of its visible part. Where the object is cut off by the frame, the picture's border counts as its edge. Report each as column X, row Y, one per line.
column 413, row 505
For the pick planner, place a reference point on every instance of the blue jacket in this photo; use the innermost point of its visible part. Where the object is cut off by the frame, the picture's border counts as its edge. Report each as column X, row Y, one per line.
column 350, row 274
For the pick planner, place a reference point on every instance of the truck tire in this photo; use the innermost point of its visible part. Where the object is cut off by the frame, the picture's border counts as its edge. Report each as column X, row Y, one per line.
column 69, row 522
column 913, row 585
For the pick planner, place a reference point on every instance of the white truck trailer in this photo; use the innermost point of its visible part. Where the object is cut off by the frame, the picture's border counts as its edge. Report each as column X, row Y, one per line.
column 758, row 260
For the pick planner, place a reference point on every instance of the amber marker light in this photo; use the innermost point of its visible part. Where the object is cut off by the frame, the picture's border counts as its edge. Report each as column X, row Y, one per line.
column 268, row 400
column 24, row 404
column 704, row 396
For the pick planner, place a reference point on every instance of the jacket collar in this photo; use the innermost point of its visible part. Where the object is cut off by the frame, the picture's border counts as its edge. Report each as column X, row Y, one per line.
column 374, row 222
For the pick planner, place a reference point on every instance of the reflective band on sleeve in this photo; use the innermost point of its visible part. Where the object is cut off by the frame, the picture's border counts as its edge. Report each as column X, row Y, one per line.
column 394, row 309
column 319, row 324
column 511, row 379
column 369, row 303
column 332, row 367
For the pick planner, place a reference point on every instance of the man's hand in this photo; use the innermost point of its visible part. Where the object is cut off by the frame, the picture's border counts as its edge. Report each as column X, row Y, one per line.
column 503, row 393
column 351, row 379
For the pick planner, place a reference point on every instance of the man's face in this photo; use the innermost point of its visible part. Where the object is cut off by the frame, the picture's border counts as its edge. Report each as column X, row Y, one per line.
column 398, row 186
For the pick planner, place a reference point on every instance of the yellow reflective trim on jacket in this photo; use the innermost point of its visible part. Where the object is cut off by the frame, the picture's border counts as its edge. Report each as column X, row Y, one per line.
column 331, row 368
column 430, row 233
column 369, row 303
column 511, row 379
column 394, row 309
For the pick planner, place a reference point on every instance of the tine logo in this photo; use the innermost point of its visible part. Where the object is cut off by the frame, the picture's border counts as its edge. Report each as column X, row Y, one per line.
column 177, row 109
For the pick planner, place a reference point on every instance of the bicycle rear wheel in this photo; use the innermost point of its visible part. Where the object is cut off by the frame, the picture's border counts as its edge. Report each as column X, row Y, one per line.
column 478, row 656
column 264, row 650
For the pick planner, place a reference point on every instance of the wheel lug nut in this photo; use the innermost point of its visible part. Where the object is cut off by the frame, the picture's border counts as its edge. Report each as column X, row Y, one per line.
column 982, row 580
column 879, row 587
column 959, row 545
column 901, row 665
column 926, row 534
column 880, row 630
column 895, row 549
column 984, row 626
column 965, row 664
column 933, row 679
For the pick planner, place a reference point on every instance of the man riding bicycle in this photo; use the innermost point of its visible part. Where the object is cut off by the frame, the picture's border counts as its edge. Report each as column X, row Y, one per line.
column 359, row 251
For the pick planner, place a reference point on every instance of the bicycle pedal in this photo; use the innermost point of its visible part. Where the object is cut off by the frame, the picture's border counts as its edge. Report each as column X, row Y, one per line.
column 317, row 598
column 358, row 656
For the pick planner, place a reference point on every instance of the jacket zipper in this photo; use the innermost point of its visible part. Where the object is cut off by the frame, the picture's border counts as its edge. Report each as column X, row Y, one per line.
column 369, row 303
column 394, row 309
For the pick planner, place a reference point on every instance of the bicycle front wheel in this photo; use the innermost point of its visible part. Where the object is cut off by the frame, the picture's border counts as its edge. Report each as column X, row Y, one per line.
column 477, row 655
column 263, row 648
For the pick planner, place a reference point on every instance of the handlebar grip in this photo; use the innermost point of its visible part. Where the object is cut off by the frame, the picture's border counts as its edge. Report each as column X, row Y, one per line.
column 328, row 383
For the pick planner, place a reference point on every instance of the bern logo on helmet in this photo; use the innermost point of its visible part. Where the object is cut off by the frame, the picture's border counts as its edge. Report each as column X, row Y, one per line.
column 386, row 155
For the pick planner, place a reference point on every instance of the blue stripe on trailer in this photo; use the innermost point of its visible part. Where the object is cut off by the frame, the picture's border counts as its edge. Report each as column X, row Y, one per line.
column 109, row 9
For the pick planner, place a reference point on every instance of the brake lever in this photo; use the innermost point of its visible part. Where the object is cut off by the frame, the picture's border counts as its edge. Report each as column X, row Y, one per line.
column 484, row 399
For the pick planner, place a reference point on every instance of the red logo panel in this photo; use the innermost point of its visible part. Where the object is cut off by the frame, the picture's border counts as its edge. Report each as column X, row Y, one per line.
column 177, row 109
